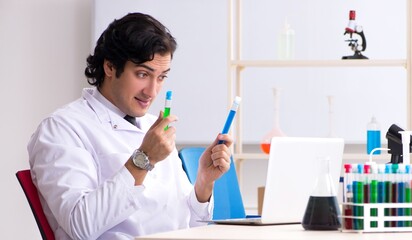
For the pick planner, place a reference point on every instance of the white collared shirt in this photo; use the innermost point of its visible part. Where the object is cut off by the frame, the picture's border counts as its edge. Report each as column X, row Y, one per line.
column 77, row 158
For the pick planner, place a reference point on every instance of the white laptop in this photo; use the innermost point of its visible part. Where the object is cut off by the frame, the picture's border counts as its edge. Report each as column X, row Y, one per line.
column 291, row 176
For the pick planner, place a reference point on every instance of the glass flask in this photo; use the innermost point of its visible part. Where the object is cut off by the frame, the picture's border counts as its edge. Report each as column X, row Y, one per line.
column 322, row 211
column 275, row 131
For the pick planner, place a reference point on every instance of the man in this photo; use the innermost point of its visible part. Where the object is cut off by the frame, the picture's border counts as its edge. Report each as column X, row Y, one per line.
column 102, row 177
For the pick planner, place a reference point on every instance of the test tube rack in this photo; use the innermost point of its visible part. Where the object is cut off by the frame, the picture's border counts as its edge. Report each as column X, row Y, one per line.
column 380, row 218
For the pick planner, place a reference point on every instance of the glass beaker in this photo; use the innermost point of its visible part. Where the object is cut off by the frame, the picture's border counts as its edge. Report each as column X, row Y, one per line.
column 275, row 131
column 322, row 211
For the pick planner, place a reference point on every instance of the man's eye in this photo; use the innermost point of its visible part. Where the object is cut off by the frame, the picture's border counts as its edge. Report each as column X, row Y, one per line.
column 162, row 78
column 141, row 74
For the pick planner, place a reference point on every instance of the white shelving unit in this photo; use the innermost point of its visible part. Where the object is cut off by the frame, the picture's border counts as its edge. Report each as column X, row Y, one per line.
column 237, row 65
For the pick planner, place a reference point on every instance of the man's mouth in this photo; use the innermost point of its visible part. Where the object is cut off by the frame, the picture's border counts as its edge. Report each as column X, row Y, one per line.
column 143, row 103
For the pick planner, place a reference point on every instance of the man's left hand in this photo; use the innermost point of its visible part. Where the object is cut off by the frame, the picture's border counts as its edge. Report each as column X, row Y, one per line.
column 213, row 163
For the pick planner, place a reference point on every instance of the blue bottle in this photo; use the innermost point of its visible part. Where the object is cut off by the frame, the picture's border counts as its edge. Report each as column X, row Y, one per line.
column 373, row 138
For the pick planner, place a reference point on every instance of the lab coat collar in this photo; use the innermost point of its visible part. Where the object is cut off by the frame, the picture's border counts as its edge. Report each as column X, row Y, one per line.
column 108, row 113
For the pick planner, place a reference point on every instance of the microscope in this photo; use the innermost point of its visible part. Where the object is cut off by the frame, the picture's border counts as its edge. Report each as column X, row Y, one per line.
column 354, row 29
column 395, row 143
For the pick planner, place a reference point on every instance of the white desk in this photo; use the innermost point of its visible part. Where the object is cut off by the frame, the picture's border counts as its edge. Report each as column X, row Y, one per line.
column 284, row 232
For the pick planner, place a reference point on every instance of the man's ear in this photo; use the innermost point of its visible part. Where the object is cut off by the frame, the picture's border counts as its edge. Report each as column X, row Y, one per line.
column 109, row 69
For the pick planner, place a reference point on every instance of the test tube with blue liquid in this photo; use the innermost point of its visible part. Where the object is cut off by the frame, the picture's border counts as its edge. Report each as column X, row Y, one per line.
column 381, row 183
column 230, row 116
column 408, row 211
column 400, row 194
column 388, row 190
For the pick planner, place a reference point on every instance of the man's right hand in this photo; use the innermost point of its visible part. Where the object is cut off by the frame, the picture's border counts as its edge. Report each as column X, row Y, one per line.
column 158, row 143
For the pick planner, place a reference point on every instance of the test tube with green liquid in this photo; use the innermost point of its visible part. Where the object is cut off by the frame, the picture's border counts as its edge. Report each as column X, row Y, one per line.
column 373, row 196
column 358, row 197
column 395, row 191
column 168, row 105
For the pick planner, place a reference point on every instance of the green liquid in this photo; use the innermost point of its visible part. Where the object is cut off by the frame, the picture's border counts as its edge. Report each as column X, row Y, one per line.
column 165, row 115
column 408, row 211
column 358, row 210
column 388, row 199
column 374, row 199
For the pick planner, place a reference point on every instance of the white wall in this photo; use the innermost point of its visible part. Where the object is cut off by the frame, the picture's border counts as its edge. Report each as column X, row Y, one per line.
column 43, row 46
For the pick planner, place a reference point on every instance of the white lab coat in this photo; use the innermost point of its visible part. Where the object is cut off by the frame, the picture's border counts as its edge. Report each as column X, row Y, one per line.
column 77, row 158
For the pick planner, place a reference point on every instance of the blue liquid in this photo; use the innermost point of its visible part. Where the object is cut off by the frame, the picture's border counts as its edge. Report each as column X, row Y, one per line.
column 401, row 199
column 381, row 192
column 228, row 123
column 373, row 141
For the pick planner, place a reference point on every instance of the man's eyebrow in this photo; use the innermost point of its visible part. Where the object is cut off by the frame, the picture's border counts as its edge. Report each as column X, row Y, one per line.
column 149, row 68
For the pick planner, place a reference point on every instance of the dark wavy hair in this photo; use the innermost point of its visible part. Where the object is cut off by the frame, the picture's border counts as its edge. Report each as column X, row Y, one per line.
column 136, row 37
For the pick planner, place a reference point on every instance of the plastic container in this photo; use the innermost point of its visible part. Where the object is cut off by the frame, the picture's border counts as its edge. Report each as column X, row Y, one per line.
column 373, row 137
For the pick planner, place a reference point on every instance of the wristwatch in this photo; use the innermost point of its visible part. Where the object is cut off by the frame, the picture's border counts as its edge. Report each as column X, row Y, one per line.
column 141, row 160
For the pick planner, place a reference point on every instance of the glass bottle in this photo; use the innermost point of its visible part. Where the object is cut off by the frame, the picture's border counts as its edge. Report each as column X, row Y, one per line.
column 322, row 211
column 373, row 137
column 275, row 131
column 286, row 46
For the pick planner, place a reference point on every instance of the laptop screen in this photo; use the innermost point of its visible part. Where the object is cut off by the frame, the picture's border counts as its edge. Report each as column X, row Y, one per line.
column 294, row 166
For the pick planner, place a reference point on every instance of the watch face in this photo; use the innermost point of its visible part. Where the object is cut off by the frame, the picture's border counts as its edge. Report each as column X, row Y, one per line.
column 140, row 160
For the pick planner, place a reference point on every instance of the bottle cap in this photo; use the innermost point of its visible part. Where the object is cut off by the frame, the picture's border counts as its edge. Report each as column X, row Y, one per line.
column 169, row 95
column 360, row 168
column 388, row 168
column 348, row 167
column 352, row 15
column 408, row 168
column 367, row 168
column 395, row 167
column 373, row 124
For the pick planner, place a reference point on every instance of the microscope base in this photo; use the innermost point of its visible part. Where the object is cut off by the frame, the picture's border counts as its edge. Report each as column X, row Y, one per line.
column 357, row 55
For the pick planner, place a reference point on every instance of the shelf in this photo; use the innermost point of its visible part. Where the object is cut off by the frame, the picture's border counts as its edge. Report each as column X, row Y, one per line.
column 320, row 63
column 235, row 85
